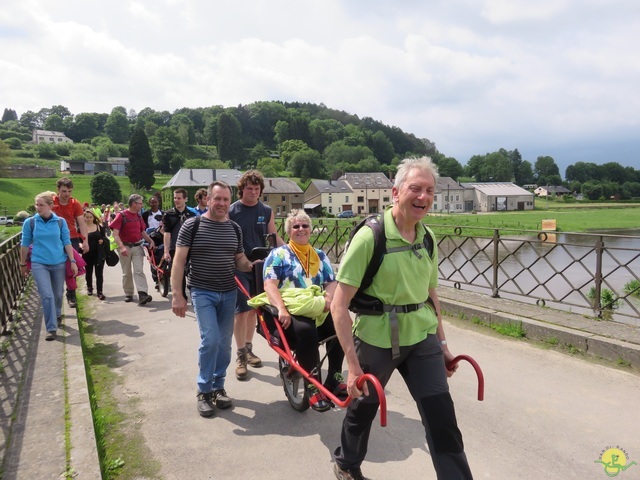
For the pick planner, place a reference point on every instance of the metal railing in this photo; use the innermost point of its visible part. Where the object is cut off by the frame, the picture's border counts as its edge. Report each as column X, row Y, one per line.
column 12, row 283
column 598, row 273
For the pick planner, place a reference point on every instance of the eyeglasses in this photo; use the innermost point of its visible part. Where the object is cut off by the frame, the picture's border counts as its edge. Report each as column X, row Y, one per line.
column 297, row 227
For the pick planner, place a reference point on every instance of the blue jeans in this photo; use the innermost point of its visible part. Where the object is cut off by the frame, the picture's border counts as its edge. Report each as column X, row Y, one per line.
column 214, row 312
column 50, row 282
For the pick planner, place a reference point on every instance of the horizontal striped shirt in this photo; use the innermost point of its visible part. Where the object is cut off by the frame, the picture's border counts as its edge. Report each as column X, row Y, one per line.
column 212, row 253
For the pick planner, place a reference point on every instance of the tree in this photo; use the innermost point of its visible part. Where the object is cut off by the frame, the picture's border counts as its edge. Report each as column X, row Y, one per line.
column 184, row 127
column 84, row 127
column 230, row 139
column 140, row 160
column 117, row 126
column 289, row 148
column 9, row 115
column 382, row 148
column 612, row 171
column 105, row 189
column 447, row 166
column 165, row 144
column 270, row 167
column 307, row 164
column 544, row 167
column 581, row 172
column 30, row 120
column 54, row 122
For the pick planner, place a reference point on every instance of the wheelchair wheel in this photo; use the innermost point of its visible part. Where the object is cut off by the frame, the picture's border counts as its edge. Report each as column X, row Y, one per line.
column 293, row 385
column 165, row 286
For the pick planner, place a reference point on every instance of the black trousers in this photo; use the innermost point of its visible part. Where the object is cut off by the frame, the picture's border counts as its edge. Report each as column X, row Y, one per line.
column 303, row 336
column 98, row 266
column 422, row 367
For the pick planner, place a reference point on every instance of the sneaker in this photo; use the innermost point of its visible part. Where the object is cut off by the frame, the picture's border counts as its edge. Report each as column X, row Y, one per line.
column 220, row 398
column 348, row 474
column 241, row 366
column 71, row 299
column 337, row 386
column 143, row 298
column 101, row 296
column 253, row 360
column 317, row 400
column 50, row 336
column 128, row 298
column 205, row 404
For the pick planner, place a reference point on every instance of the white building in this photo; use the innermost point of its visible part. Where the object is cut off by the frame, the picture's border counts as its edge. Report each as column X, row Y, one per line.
column 49, row 136
column 500, row 197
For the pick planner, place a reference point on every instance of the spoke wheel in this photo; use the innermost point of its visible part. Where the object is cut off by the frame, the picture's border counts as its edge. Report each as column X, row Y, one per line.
column 293, row 385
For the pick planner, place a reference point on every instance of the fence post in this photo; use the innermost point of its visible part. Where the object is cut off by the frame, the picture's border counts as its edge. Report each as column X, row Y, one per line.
column 597, row 301
column 496, row 245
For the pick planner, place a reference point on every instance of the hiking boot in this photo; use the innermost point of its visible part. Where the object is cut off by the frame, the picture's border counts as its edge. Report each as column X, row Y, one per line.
column 50, row 336
column 241, row 366
column 220, row 398
column 317, row 399
column 143, row 298
column 205, row 404
column 128, row 298
column 348, row 474
column 337, row 386
column 253, row 360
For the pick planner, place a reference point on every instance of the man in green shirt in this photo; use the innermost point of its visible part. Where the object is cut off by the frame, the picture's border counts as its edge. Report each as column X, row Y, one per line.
column 407, row 335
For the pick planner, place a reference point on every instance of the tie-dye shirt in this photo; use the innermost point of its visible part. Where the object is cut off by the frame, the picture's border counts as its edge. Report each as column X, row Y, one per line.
column 283, row 265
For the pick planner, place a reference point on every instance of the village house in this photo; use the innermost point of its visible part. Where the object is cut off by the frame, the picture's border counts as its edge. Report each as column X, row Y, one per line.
column 49, row 136
column 282, row 195
column 371, row 192
column 334, row 196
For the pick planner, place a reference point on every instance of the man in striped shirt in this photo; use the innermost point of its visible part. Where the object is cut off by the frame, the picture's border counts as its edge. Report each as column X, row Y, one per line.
column 214, row 252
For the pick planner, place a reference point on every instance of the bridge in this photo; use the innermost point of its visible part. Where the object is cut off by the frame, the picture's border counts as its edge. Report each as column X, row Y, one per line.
column 545, row 414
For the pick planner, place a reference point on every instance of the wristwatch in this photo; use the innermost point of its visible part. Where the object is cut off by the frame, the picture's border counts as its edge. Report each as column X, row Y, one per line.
column 73, row 261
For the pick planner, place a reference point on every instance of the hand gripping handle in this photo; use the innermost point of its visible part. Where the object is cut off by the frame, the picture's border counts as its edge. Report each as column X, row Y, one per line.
column 476, row 367
column 367, row 377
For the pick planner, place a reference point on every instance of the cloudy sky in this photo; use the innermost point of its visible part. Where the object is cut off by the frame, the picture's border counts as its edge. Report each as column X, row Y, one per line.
column 548, row 77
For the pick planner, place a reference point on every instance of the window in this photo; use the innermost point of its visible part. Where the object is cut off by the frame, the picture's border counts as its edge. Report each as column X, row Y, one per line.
column 330, row 209
column 330, row 199
column 265, row 198
column 457, row 198
column 435, row 206
column 360, row 199
column 284, row 198
column 346, row 199
column 446, row 198
column 385, row 199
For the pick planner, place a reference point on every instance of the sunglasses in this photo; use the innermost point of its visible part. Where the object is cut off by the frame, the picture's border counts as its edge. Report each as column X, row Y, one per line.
column 297, row 227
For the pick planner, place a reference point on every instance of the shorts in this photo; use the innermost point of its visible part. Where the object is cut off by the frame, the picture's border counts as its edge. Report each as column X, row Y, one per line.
column 247, row 281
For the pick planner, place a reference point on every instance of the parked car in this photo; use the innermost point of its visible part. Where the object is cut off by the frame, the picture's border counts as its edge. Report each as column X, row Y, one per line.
column 346, row 214
column 6, row 221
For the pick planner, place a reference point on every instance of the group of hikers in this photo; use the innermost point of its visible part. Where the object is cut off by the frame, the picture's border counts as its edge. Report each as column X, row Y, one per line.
column 210, row 248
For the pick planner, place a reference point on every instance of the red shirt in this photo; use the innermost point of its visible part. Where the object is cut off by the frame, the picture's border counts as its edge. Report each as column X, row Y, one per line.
column 70, row 212
column 131, row 231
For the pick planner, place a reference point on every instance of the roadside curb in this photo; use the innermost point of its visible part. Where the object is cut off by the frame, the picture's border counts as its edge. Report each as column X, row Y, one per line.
column 587, row 335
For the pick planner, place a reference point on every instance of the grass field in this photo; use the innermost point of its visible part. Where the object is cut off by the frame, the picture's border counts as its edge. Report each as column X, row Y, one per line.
column 18, row 193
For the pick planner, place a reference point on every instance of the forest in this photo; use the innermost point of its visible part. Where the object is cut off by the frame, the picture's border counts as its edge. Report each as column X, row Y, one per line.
column 300, row 140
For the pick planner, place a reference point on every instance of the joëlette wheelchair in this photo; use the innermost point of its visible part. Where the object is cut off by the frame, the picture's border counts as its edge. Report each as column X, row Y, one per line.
column 293, row 376
column 160, row 268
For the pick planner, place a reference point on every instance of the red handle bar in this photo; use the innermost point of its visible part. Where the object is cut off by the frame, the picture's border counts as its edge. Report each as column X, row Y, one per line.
column 476, row 367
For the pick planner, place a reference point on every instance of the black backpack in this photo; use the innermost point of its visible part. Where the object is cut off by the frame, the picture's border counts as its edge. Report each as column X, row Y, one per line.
column 362, row 303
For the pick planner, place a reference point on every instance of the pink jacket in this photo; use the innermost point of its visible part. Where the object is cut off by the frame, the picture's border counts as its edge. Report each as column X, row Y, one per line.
column 71, row 279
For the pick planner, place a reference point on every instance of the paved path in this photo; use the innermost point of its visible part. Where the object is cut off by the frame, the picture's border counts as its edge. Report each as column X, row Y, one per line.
column 545, row 414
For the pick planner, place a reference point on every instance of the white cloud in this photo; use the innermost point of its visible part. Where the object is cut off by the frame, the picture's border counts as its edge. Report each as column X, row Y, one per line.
column 470, row 76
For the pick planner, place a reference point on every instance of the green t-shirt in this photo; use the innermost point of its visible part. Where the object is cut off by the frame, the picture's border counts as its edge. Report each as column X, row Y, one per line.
column 402, row 279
